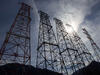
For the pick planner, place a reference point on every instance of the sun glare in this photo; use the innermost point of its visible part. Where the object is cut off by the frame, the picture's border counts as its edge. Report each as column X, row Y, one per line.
column 69, row 28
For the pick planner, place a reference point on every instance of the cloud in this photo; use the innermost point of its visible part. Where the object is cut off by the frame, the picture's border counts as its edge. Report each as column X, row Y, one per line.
column 69, row 11
column 91, row 22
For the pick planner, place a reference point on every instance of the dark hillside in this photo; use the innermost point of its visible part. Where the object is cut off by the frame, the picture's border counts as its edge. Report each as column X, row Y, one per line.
column 91, row 69
column 20, row 69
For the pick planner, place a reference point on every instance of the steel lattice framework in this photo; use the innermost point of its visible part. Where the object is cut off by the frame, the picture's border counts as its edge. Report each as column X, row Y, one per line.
column 93, row 44
column 73, row 50
column 48, row 56
column 16, row 47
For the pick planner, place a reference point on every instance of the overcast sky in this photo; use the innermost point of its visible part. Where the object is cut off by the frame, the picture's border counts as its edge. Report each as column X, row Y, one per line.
column 78, row 13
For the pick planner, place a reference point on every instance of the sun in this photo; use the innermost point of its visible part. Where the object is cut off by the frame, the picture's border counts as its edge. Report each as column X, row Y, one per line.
column 69, row 28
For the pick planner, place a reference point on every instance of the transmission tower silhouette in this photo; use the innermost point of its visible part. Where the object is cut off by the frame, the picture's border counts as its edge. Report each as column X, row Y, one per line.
column 93, row 44
column 74, row 51
column 48, row 56
column 16, row 46
column 64, row 53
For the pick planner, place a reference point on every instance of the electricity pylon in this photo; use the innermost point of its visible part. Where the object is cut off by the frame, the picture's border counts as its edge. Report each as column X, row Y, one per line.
column 16, row 46
column 74, row 51
column 93, row 44
column 48, row 56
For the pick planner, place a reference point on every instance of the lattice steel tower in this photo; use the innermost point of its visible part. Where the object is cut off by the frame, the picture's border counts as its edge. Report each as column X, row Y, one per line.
column 93, row 44
column 74, row 51
column 16, row 47
column 48, row 56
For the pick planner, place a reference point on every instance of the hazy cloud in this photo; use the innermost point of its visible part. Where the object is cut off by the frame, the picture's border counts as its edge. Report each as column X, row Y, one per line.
column 70, row 11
